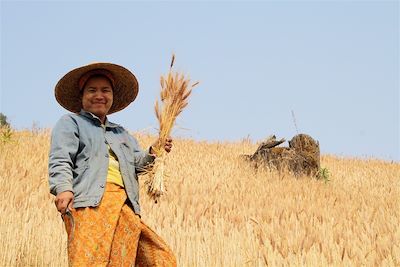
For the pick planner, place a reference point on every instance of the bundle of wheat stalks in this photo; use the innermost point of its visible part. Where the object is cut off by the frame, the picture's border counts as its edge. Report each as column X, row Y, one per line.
column 175, row 90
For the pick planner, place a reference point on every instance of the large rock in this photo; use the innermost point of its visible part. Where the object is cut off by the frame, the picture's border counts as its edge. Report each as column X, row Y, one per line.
column 302, row 157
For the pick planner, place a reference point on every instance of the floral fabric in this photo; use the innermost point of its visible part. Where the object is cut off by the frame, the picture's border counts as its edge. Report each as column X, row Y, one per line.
column 113, row 235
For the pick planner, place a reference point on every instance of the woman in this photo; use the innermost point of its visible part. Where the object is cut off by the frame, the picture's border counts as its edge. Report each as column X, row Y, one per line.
column 93, row 167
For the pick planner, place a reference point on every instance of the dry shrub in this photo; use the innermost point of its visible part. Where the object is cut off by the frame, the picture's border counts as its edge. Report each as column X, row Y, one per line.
column 302, row 157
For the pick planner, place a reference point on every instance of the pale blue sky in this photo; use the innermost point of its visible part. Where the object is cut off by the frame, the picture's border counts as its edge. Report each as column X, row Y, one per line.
column 334, row 63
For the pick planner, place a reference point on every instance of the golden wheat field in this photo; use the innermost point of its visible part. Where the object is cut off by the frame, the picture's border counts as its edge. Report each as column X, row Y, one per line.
column 219, row 211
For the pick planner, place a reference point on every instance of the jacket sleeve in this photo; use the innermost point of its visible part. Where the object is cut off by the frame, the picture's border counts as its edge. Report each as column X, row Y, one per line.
column 142, row 157
column 63, row 148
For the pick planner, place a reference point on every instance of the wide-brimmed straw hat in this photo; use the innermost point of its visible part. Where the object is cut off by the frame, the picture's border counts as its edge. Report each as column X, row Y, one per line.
column 125, row 86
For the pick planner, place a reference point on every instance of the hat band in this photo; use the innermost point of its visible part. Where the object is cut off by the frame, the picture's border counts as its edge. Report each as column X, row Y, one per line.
column 85, row 77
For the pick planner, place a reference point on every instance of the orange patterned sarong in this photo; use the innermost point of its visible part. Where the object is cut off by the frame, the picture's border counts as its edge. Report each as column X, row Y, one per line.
column 113, row 235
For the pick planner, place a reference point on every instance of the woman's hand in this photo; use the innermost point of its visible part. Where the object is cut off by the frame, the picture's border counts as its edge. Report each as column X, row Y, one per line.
column 64, row 200
column 167, row 146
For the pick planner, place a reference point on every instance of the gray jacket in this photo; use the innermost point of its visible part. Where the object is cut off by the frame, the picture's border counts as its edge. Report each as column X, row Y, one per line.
column 78, row 158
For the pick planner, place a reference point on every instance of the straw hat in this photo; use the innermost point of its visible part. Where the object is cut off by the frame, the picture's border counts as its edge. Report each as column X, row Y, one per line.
column 125, row 87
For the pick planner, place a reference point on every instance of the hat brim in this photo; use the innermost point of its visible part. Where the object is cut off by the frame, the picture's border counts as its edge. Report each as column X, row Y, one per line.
column 125, row 89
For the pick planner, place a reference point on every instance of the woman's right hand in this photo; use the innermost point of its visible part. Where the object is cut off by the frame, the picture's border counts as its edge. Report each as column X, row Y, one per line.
column 64, row 200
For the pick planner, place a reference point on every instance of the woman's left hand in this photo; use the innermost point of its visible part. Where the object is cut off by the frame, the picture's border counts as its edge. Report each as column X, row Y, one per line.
column 167, row 146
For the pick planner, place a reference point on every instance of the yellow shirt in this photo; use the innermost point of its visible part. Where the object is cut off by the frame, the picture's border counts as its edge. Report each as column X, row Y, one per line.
column 114, row 175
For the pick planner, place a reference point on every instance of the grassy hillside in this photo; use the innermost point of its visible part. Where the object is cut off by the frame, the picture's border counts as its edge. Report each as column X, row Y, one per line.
column 219, row 211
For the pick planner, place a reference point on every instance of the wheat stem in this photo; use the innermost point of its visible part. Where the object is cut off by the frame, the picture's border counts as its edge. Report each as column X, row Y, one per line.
column 174, row 95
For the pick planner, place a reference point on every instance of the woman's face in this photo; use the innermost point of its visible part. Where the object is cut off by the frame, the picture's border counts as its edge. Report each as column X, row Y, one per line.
column 97, row 96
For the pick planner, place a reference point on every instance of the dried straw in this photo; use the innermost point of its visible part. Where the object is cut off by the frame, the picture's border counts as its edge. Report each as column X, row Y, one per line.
column 175, row 90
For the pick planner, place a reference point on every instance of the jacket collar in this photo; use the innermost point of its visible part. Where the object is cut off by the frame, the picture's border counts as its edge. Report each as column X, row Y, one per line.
column 96, row 119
